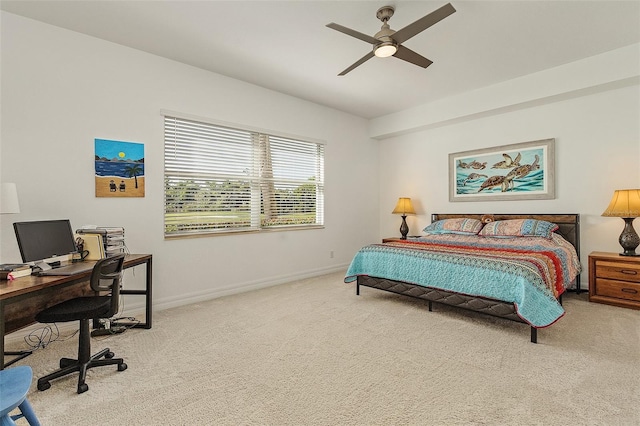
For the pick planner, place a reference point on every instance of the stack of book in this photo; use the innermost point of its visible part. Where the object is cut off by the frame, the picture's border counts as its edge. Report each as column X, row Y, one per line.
column 10, row 271
column 112, row 239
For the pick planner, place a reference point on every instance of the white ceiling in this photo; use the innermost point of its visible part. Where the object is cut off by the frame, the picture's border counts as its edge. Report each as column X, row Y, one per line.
column 285, row 45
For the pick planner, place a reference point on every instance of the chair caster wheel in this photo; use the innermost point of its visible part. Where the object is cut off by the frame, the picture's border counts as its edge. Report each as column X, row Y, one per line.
column 43, row 386
column 83, row 388
column 122, row 367
column 109, row 355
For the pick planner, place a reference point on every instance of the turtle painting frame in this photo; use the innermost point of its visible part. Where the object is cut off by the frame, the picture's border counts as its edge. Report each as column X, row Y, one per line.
column 521, row 171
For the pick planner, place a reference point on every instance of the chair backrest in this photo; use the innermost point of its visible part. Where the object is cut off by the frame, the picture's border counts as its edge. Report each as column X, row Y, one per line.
column 107, row 277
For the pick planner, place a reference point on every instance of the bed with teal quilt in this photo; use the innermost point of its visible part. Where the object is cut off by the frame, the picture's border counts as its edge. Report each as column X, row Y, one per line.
column 511, row 266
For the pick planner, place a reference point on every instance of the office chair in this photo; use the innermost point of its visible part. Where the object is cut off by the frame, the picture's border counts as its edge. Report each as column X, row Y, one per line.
column 105, row 277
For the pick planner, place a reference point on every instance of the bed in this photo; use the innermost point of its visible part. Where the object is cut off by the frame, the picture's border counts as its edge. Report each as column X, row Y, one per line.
column 520, row 279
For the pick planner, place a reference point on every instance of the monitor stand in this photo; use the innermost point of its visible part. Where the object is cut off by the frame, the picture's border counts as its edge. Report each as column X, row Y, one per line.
column 44, row 266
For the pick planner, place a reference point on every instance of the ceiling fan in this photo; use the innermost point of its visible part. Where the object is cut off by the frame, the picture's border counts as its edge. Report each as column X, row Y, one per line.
column 388, row 42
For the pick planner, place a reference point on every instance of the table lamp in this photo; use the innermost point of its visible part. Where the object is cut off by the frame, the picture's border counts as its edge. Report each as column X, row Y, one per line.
column 9, row 199
column 625, row 203
column 404, row 208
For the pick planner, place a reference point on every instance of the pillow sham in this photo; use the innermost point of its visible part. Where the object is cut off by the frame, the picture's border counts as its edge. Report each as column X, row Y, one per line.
column 461, row 225
column 519, row 228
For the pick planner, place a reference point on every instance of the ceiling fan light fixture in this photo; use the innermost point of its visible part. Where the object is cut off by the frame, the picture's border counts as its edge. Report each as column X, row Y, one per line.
column 388, row 42
column 384, row 50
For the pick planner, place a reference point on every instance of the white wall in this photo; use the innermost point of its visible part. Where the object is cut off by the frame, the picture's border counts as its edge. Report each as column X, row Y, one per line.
column 597, row 133
column 61, row 89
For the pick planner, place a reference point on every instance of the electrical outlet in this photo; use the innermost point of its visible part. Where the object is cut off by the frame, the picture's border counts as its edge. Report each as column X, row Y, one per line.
column 331, row 254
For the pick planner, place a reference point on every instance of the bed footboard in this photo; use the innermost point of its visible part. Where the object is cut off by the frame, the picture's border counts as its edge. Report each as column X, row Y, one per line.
column 492, row 307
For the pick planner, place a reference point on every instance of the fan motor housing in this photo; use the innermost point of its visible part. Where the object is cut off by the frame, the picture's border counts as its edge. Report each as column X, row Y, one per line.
column 384, row 13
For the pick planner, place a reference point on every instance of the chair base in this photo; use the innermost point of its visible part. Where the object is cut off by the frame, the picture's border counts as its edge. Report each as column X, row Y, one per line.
column 68, row 366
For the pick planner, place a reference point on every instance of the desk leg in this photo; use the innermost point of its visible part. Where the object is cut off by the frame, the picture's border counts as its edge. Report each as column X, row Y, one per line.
column 148, row 300
column 18, row 354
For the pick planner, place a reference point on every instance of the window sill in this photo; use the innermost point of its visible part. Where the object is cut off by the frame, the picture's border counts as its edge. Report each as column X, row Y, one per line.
column 241, row 231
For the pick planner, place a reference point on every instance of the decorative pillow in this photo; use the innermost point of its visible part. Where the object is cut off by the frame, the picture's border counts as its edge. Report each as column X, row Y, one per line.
column 519, row 228
column 455, row 226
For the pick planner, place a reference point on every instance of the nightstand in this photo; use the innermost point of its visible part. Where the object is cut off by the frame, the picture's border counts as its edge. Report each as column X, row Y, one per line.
column 392, row 239
column 614, row 279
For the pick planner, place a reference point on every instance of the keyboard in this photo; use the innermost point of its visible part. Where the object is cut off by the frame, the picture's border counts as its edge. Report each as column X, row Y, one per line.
column 70, row 269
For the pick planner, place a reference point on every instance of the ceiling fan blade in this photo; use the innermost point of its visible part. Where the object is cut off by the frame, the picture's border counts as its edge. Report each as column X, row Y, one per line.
column 423, row 23
column 358, row 63
column 353, row 33
column 410, row 56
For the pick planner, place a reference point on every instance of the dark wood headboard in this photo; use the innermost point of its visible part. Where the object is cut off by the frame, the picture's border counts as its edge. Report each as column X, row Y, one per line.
column 568, row 224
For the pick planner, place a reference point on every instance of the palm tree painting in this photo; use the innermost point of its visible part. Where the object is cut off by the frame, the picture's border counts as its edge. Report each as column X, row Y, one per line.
column 133, row 171
column 119, row 168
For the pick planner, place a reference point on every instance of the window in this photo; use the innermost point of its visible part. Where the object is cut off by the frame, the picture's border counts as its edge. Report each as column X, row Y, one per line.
column 220, row 179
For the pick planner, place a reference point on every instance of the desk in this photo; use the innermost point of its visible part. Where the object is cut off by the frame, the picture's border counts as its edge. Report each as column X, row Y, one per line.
column 22, row 298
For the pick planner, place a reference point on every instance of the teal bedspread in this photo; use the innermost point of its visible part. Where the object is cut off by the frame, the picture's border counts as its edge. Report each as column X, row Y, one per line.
column 529, row 272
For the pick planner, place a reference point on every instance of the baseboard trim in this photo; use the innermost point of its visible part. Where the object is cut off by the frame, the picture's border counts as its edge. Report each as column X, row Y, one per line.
column 187, row 299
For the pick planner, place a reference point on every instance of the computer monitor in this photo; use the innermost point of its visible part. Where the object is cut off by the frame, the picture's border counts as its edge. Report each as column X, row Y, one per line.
column 44, row 239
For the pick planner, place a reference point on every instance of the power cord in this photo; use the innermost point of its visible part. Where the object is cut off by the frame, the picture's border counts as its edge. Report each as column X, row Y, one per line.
column 131, row 322
column 44, row 336
column 112, row 325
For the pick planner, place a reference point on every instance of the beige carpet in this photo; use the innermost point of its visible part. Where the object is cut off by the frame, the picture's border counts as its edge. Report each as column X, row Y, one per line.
column 314, row 353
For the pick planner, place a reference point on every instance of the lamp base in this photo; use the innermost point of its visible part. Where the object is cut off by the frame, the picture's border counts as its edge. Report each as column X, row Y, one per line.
column 404, row 228
column 629, row 239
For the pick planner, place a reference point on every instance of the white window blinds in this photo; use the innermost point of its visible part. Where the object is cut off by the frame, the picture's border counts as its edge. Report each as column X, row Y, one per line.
column 222, row 179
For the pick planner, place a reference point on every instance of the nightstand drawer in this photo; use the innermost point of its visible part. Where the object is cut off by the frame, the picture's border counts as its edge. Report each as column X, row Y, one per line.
column 618, row 289
column 618, row 271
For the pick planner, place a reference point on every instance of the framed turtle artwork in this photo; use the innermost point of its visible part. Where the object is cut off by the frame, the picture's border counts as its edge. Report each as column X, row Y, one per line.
column 521, row 171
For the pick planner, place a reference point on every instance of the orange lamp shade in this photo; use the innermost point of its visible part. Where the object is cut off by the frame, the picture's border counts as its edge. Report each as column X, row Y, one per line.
column 624, row 203
column 404, row 207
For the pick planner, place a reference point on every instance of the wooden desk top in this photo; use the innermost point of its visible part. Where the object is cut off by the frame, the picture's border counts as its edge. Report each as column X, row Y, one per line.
column 31, row 283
